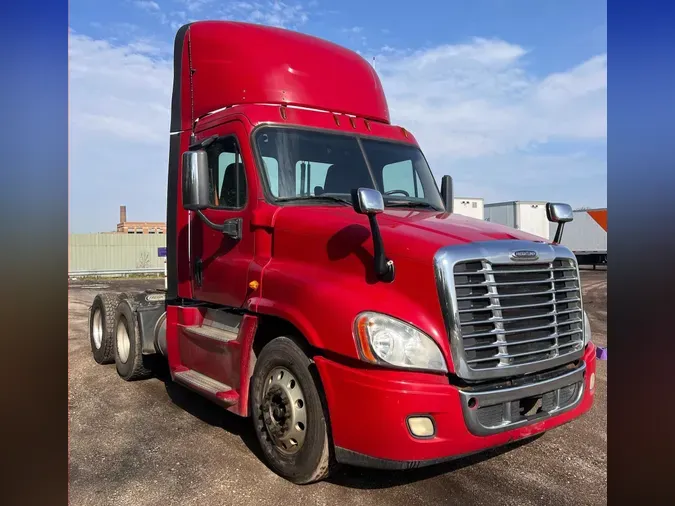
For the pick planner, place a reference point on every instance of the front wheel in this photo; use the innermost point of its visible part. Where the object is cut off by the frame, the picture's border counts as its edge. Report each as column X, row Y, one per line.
column 288, row 414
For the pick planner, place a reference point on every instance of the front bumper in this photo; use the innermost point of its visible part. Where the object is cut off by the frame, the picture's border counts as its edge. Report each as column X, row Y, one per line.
column 369, row 408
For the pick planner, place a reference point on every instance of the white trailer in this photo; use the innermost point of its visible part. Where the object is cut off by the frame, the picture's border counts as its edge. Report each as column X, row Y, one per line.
column 586, row 236
column 529, row 216
column 471, row 207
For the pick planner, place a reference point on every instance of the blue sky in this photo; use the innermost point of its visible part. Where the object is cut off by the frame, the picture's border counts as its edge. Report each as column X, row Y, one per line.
column 507, row 96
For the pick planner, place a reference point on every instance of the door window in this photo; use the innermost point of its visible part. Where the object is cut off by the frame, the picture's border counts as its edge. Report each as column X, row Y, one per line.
column 228, row 178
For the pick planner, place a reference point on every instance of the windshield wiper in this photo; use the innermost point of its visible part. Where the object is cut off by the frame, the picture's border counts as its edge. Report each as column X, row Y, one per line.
column 409, row 203
column 329, row 198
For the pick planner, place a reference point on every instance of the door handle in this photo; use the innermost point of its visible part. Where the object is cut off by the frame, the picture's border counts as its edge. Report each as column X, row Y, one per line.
column 198, row 272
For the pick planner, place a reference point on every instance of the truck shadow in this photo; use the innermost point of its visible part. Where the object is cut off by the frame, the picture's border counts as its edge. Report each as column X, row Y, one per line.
column 344, row 476
column 371, row 479
column 350, row 241
column 207, row 411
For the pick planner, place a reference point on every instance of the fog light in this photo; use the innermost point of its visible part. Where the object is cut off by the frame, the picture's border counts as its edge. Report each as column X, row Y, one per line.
column 421, row 426
column 592, row 381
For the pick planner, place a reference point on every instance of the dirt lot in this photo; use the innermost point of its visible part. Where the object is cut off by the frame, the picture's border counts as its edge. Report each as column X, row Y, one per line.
column 156, row 443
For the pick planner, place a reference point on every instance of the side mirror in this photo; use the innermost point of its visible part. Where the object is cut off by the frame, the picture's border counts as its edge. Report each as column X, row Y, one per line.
column 370, row 202
column 446, row 194
column 560, row 214
column 195, row 180
column 367, row 201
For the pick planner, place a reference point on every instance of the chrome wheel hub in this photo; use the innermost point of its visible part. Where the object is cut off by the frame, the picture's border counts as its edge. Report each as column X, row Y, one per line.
column 97, row 329
column 283, row 410
column 123, row 341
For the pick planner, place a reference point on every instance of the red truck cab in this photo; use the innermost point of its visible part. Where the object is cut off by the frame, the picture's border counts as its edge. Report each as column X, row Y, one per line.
column 319, row 283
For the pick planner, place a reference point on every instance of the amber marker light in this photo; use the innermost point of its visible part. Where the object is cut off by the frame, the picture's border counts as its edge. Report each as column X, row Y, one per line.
column 362, row 335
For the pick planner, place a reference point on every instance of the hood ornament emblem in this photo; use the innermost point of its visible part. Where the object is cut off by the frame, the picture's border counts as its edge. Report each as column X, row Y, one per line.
column 524, row 255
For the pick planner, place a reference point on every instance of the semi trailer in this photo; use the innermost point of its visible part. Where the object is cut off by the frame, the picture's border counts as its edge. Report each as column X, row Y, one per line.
column 320, row 284
column 468, row 206
column 528, row 216
column 586, row 236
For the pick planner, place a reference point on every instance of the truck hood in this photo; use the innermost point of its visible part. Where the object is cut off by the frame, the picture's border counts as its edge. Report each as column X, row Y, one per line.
column 322, row 268
column 404, row 232
column 452, row 228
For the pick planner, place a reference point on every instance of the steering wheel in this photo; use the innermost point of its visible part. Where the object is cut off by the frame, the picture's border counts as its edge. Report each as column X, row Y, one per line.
column 391, row 192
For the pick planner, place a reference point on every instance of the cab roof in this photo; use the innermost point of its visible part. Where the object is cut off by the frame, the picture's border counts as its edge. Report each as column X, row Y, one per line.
column 222, row 63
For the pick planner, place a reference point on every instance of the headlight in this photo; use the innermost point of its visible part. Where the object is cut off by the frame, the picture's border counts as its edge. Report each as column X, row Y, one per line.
column 587, row 330
column 383, row 339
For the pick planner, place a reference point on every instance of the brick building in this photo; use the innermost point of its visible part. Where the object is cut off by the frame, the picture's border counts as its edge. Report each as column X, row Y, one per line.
column 139, row 227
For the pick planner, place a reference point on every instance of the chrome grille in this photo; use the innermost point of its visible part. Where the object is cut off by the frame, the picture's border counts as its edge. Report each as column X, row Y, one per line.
column 517, row 314
column 506, row 316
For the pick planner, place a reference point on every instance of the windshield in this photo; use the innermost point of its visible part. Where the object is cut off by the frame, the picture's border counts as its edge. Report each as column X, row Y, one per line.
column 317, row 167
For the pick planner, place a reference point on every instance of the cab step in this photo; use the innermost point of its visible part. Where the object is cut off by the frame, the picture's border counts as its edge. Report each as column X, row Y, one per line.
column 215, row 333
column 202, row 383
column 218, row 325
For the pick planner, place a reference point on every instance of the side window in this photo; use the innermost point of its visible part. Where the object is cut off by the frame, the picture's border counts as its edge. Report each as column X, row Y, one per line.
column 228, row 178
column 402, row 176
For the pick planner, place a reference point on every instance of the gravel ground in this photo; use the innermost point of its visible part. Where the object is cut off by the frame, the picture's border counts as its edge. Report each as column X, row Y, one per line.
column 156, row 443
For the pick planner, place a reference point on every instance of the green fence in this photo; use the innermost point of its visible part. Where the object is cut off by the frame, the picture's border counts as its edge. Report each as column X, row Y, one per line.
column 111, row 252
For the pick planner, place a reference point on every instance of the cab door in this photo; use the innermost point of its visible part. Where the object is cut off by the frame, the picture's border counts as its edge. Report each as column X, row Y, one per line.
column 220, row 259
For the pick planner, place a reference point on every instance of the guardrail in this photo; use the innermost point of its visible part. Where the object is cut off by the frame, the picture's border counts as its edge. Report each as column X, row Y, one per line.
column 120, row 272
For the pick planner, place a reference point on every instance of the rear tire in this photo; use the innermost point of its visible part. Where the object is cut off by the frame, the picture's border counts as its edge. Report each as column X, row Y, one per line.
column 129, row 360
column 102, row 326
column 288, row 414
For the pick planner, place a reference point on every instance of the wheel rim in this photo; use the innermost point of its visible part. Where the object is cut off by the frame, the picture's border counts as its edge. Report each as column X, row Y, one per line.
column 123, row 341
column 97, row 329
column 283, row 410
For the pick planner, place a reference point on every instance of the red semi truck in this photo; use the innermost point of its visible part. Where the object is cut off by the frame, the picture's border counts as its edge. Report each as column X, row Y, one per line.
column 319, row 282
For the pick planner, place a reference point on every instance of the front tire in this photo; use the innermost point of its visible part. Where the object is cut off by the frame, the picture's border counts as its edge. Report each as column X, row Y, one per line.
column 288, row 414
column 129, row 358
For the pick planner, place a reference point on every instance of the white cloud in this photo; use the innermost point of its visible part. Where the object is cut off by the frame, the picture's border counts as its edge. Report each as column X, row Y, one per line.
column 271, row 12
column 268, row 12
column 482, row 116
column 478, row 99
column 119, row 126
column 356, row 37
column 196, row 5
column 112, row 86
column 475, row 108
column 147, row 5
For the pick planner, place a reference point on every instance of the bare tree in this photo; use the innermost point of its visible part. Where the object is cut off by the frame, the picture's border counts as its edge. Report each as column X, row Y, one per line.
column 143, row 260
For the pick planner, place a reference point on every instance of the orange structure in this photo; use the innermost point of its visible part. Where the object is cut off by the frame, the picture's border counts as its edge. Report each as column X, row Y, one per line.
column 600, row 216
